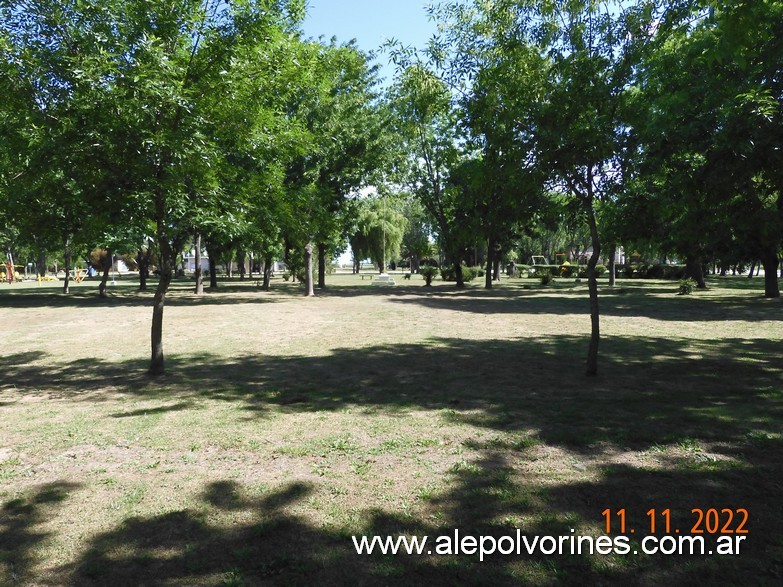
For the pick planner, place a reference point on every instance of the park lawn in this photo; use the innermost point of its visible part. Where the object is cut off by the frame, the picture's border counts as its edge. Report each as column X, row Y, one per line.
column 285, row 425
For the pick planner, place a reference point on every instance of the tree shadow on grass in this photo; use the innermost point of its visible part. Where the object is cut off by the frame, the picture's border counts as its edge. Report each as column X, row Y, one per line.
column 624, row 302
column 653, row 392
column 650, row 391
column 275, row 543
column 20, row 534
column 179, row 295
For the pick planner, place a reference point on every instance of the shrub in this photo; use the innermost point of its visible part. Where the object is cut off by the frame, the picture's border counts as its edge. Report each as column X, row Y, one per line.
column 429, row 273
column 686, row 286
column 546, row 278
column 567, row 270
column 468, row 274
column 600, row 270
column 286, row 276
column 523, row 270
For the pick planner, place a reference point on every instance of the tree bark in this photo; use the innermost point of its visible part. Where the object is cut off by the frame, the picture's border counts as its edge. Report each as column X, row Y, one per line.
column 143, row 261
column 770, row 262
column 67, row 260
column 612, row 268
column 592, row 286
column 267, row 272
column 165, row 267
column 694, row 269
column 309, row 291
column 199, row 290
column 458, row 273
column 490, row 263
column 321, row 266
column 496, row 266
column 42, row 264
column 752, row 268
column 107, row 263
column 213, row 255
column 241, row 259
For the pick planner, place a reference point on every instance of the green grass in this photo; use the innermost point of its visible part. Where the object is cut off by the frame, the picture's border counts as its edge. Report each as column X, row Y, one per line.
column 284, row 425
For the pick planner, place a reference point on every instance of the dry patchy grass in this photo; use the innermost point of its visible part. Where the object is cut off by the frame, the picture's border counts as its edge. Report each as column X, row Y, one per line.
column 284, row 425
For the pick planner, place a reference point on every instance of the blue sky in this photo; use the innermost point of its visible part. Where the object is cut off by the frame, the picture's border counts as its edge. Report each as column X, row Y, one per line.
column 371, row 23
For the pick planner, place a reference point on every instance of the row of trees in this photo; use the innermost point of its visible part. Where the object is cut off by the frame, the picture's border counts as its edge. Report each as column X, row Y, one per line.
column 658, row 122
column 652, row 124
column 153, row 125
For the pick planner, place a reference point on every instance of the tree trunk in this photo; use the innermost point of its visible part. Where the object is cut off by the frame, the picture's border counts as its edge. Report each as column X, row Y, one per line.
column 752, row 268
column 321, row 266
column 309, row 291
column 267, row 272
column 592, row 285
column 694, row 269
column 107, row 263
column 165, row 267
column 213, row 255
column 496, row 266
column 458, row 273
column 199, row 290
column 770, row 262
column 490, row 263
column 67, row 260
column 612, row 267
column 143, row 261
column 42, row 264
column 241, row 259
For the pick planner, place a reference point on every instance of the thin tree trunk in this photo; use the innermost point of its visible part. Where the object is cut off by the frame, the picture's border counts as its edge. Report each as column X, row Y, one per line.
column 496, row 266
column 107, row 263
column 321, row 266
column 458, row 273
column 212, row 252
column 694, row 269
column 165, row 268
column 241, row 259
column 67, row 260
column 267, row 272
column 490, row 263
column 199, row 290
column 752, row 269
column 143, row 261
column 770, row 262
column 309, row 291
column 42, row 264
column 611, row 267
column 592, row 285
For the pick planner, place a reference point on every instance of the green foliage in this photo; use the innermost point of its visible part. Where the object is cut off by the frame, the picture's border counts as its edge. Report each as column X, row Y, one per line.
column 380, row 230
column 685, row 286
column 428, row 272
column 447, row 273
column 545, row 278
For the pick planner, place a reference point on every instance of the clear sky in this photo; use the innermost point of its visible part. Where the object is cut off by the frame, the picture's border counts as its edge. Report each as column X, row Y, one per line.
column 371, row 23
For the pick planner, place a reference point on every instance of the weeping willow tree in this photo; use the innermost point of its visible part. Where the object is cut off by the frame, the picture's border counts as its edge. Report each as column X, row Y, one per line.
column 380, row 228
